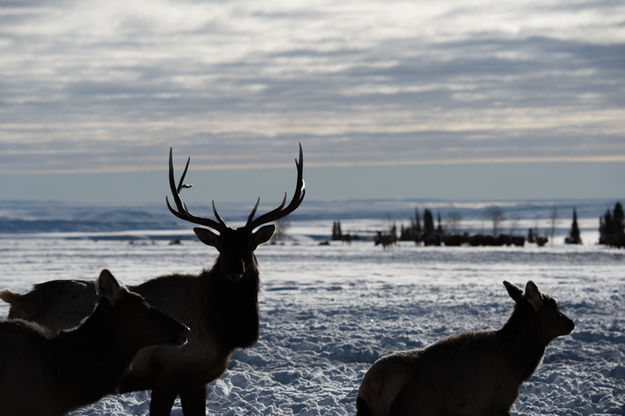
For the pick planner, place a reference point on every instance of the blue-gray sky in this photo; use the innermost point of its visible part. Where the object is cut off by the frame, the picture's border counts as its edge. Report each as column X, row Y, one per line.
column 484, row 98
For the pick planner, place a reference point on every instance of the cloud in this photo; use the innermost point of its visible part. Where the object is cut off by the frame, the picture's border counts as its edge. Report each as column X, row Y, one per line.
column 97, row 86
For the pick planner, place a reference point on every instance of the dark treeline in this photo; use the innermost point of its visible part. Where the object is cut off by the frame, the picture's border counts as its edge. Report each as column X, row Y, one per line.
column 612, row 227
column 435, row 234
column 428, row 229
column 339, row 235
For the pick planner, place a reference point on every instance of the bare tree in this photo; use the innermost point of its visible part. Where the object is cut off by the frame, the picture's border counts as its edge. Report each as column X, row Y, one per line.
column 554, row 221
column 454, row 218
column 495, row 215
column 514, row 224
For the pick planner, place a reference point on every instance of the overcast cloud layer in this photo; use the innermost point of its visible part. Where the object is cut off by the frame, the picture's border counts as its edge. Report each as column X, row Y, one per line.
column 94, row 86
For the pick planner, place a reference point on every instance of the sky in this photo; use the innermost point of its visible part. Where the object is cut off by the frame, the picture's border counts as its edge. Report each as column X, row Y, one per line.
column 417, row 99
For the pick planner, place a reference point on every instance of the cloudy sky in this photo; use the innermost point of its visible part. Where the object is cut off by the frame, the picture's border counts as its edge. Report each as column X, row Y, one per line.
column 453, row 99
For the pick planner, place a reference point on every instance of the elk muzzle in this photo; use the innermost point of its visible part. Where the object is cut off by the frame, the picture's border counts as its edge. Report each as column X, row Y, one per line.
column 182, row 337
column 234, row 269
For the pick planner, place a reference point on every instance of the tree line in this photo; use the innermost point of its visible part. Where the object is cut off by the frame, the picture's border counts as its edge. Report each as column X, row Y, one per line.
column 435, row 234
column 429, row 230
column 612, row 227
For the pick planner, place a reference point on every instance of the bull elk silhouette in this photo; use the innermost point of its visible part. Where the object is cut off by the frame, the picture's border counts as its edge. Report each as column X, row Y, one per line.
column 220, row 304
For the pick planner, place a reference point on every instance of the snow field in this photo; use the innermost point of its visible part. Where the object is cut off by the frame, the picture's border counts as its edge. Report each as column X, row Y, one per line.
column 328, row 312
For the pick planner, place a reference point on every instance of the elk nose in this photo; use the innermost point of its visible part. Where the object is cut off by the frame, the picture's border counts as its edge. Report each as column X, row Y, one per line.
column 182, row 337
column 571, row 325
column 236, row 270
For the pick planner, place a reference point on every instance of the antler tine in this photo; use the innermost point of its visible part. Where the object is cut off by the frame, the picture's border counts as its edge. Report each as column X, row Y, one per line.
column 221, row 221
column 182, row 185
column 251, row 216
column 280, row 212
column 283, row 202
column 172, row 184
column 182, row 211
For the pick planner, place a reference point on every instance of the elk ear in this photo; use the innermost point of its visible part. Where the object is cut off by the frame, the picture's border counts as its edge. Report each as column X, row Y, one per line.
column 262, row 235
column 108, row 287
column 533, row 295
column 208, row 237
column 514, row 292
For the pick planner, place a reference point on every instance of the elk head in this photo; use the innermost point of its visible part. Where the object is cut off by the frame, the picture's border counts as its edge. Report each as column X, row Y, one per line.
column 545, row 317
column 236, row 246
column 136, row 323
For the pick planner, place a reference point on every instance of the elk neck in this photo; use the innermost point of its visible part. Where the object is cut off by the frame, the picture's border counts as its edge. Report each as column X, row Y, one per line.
column 233, row 306
column 522, row 341
column 89, row 357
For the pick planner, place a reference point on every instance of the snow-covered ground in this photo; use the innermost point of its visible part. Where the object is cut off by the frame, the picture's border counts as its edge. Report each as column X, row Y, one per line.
column 328, row 312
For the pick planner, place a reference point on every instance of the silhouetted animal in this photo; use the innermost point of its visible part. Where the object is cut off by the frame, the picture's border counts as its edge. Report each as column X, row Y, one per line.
column 220, row 306
column 46, row 373
column 387, row 240
column 473, row 373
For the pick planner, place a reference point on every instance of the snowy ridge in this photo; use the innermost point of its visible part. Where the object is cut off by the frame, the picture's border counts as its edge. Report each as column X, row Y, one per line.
column 50, row 216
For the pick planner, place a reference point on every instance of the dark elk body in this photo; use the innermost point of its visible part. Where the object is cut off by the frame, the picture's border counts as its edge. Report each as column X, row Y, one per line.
column 470, row 374
column 220, row 305
column 46, row 373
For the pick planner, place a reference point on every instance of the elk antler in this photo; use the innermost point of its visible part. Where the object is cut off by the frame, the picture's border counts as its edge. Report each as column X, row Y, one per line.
column 281, row 212
column 182, row 212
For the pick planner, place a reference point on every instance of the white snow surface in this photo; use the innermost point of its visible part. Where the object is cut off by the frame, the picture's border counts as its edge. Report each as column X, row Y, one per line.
column 328, row 312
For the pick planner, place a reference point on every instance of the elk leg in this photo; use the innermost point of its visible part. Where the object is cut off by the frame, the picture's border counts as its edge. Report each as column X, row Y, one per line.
column 161, row 402
column 194, row 402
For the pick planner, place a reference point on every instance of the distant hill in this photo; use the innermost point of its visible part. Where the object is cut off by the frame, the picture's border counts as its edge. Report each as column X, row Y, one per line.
column 51, row 216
